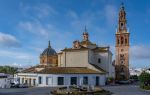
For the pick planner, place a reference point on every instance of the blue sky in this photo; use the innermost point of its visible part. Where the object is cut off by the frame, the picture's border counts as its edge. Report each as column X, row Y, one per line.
column 26, row 26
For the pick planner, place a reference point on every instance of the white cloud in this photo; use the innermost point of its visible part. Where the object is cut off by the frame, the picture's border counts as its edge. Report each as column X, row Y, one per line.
column 44, row 10
column 15, row 54
column 37, row 49
column 87, row 18
column 8, row 40
column 110, row 14
column 40, row 11
column 34, row 27
column 72, row 14
column 16, row 65
column 140, row 52
column 137, row 52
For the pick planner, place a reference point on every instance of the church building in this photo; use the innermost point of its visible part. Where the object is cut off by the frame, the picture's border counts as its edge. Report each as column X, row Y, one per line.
column 85, row 63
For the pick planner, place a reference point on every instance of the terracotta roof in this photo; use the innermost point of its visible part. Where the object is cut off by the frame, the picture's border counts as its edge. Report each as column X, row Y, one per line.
column 97, row 49
column 72, row 49
column 87, row 43
column 101, row 49
column 69, row 70
column 33, row 69
column 99, row 68
column 64, row 70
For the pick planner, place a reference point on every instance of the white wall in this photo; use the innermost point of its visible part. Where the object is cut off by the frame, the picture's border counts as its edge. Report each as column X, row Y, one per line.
column 83, row 58
column 26, row 76
column 4, row 83
column 91, row 78
column 68, row 76
column 106, row 61
column 73, row 59
column 5, row 80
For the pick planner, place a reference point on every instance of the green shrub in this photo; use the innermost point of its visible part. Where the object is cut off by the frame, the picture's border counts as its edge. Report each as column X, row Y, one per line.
column 144, row 77
column 8, row 70
column 147, row 87
column 145, row 80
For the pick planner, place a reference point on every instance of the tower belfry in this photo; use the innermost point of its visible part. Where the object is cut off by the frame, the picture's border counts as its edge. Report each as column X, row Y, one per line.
column 85, row 35
column 122, row 19
column 122, row 47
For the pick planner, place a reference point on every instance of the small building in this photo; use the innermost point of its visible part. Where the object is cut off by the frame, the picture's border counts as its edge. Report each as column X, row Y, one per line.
column 62, row 76
column 5, row 80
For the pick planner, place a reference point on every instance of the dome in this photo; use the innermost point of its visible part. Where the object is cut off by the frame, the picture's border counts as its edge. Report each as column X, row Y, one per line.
column 49, row 51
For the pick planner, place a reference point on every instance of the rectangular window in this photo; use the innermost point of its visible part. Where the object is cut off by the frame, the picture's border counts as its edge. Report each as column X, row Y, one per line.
column 46, row 80
column 29, row 81
column 73, row 81
column 19, row 81
column 22, row 80
column 99, row 60
column 85, row 80
column 60, row 81
column 26, row 81
column 40, row 80
column 34, row 80
column 97, row 81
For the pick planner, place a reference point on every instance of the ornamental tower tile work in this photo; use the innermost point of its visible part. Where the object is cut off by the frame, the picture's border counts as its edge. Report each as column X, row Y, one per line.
column 122, row 47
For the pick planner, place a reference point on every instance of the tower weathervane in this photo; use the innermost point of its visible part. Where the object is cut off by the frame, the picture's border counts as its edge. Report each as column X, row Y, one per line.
column 49, row 44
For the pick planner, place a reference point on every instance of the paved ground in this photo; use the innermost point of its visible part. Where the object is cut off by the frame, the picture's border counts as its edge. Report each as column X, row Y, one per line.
column 127, row 90
column 117, row 90
column 26, row 91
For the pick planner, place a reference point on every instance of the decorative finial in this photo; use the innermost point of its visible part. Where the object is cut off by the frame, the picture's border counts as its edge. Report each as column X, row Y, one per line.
column 122, row 5
column 49, row 45
column 85, row 34
column 85, row 30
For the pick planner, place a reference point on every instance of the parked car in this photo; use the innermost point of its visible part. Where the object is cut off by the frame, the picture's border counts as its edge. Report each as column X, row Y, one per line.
column 124, row 82
column 13, row 85
column 23, row 86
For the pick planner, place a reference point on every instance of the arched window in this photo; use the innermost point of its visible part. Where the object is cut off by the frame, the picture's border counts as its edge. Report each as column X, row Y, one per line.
column 122, row 40
column 121, row 56
column 126, row 41
column 122, row 70
column 122, row 26
column 118, row 41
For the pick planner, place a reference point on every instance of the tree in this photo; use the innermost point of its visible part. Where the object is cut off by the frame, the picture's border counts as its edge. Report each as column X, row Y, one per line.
column 8, row 69
column 145, row 78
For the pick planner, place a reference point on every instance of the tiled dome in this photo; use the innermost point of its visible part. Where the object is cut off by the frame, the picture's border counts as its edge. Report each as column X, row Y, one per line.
column 49, row 51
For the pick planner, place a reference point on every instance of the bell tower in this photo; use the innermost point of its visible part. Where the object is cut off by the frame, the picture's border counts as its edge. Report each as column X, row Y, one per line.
column 122, row 47
column 85, row 35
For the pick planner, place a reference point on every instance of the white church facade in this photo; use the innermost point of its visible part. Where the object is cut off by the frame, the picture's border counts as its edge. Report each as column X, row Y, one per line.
column 85, row 63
